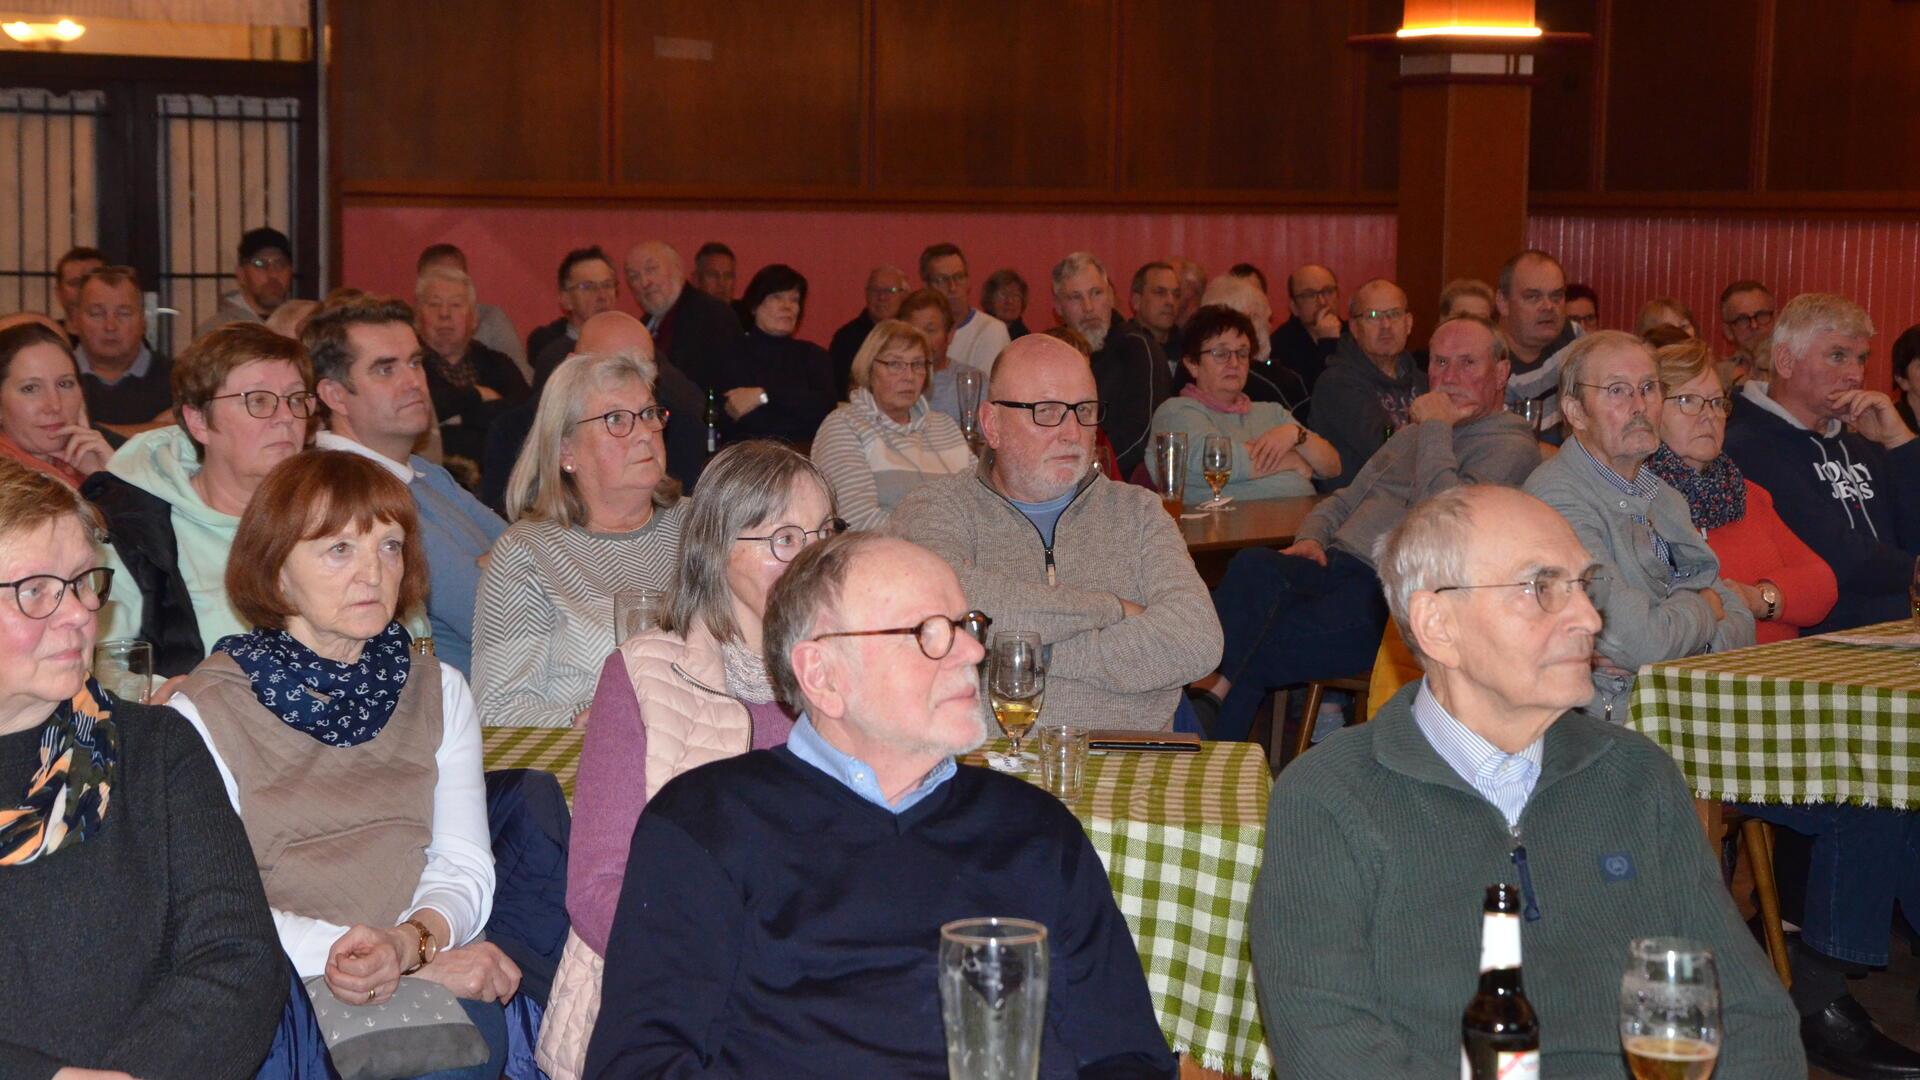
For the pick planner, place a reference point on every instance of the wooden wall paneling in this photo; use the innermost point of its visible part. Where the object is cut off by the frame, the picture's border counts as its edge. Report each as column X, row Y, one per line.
column 993, row 94
column 751, row 93
column 1237, row 95
column 1562, row 120
column 1377, row 110
column 1680, row 95
column 445, row 90
column 1846, row 108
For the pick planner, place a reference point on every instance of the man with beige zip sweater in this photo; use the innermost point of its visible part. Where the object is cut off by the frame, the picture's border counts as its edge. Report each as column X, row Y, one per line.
column 1041, row 541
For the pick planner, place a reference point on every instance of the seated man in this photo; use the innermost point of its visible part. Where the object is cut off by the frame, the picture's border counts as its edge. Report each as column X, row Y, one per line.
column 470, row 384
column 1044, row 542
column 126, row 383
column 691, row 329
column 886, row 288
column 1668, row 599
column 1128, row 365
column 1313, row 611
column 798, row 933
column 587, row 288
column 492, row 326
column 1380, row 843
column 1852, row 495
column 264, row 276
column 1363, row 396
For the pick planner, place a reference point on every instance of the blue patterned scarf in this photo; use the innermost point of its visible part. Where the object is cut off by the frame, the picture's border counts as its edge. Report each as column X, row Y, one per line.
column 1716, row 496
column 338, row 704
column 67, row 797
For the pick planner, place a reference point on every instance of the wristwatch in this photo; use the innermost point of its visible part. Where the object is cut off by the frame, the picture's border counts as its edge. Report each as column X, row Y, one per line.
column 763, row 397
column 1770, row 595
column 429, row 948
column 1300, row 439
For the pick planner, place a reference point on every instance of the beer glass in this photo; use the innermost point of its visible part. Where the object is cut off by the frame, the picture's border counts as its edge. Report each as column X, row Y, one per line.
column 124, row 668
column 968, row 383
column 993, row 997
column 1670, row 1010
column 1170, row 470
column 1016, row 687
column 635, row 610
column 1216, row 465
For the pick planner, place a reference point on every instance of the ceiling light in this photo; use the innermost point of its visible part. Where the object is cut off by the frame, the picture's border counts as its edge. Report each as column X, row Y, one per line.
column 28, row 33
column 1469, row 31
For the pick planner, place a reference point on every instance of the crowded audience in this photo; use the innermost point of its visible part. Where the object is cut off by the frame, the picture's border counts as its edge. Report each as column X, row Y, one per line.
column 773, row 384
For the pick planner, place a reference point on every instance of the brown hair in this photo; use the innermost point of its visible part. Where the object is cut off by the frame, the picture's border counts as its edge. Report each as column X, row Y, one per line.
column 30, row 499
column 200, row 371
column 17, row 339
column 313, row 494
column 926, row 298
column 325, row 336
column 1682, row 362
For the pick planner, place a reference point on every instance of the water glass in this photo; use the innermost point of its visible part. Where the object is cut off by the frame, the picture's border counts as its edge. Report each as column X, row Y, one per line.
column 1670, row 1009
column 968, row 382
column 124, row 668
column 635, row 610
column 993, row 997
column 1170, row 470
column 1063, row 760
column 1532, row 410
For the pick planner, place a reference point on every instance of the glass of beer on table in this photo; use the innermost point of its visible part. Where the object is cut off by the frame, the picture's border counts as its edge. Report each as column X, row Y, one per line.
column 1670, row 1010
column 1170, row 470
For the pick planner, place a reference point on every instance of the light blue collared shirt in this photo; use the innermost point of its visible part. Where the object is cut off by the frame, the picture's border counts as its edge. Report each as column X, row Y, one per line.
column 1505, row 780
column 808, row 746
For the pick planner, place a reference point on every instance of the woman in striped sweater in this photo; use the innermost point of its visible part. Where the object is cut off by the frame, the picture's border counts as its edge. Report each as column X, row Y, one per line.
column 886, row 440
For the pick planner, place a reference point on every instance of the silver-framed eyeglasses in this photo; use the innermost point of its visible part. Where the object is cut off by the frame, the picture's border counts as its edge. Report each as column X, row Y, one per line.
column 1054, row 413
column 1551, row 589
column 895, row 367
column 1223, row 354
column 1622, row 390
column 788, row 541
column 39, row 596
column 262, row 404
column 620, row 422
column 269, row 262
column 1373, row 314
column 1692, row 404
column 934, row 634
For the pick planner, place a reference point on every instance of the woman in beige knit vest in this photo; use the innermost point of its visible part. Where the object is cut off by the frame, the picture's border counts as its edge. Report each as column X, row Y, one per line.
column 691, row 692
column 355, row 765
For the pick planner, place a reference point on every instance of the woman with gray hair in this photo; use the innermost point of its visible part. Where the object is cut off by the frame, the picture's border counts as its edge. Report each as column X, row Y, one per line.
column 594, row 513
column 693, row 691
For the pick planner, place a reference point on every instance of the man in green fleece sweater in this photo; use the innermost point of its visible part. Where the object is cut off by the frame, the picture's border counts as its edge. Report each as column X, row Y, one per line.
column 1381, row 842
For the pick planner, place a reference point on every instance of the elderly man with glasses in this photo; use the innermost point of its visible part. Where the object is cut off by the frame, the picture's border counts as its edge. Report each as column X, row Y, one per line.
column 800, row 920
column 1046, row 543
column 1365, row 394
column 1668, row 599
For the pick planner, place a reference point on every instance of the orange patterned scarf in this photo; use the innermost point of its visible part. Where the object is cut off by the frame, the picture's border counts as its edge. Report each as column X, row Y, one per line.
column 67, row 798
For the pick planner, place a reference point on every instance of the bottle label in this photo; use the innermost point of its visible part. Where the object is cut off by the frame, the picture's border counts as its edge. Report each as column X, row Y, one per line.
column 1523, row 1065
column 1500, row 942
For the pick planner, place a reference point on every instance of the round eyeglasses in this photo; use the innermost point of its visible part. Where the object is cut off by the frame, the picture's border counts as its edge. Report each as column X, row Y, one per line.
column 620, row 422
column 934, row 634
column 1551, row 590
column 788, row 541
column 262, row 404
column 39, row 596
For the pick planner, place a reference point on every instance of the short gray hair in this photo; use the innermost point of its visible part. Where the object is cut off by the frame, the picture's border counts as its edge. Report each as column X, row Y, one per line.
column 1073, row 264
column 1811, row 314
column 1498, row 350
column 1426, row 551
column 810, row 588
column 538, row 488
column 743, row 487
column 442, row 272
column 1573, row 370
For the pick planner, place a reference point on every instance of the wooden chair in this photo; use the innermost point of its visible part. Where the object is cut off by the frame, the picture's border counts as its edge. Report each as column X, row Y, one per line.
column 1393, row 667
column 1754, row 836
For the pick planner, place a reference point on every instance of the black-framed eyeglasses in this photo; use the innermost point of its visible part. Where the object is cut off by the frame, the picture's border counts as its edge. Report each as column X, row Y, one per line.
column 608, row 286
column 1551, row 590
column 1761, row 319
column 1691, row 404
column 39, row 596
column 262, row 404
column 1054, row 413
column 1327, row 293
column 1621, row 391
column 788, row 541
column 620, row 422
column 934, row 634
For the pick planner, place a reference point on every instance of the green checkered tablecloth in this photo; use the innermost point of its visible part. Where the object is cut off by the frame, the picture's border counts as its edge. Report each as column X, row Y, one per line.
column 1799, row 721
column 1181, row 837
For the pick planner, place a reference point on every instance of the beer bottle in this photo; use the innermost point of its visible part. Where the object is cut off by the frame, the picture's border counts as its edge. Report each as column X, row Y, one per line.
column 713, row 423
column 1499, row 1034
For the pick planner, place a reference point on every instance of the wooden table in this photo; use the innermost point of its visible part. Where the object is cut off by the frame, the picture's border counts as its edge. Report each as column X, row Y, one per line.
column 1212, row 539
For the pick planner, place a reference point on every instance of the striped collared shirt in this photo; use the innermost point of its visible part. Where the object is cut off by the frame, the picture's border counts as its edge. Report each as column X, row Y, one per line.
column 1644, row 485
column 1503, row 779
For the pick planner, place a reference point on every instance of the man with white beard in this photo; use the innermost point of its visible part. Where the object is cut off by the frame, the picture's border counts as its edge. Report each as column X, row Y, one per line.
column 1042, row 541
column 1129, row 366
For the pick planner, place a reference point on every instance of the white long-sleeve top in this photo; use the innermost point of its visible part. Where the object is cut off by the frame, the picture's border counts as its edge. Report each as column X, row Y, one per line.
column 457, row 880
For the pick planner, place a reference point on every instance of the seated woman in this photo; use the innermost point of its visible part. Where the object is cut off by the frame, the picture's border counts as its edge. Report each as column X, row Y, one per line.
column 43, row 417
column 355, row 765
column 1274, row 456
column 136, row 937
column 1785, row 585
column 928, row 312
column 173, row 496
column 1268, row 379
column 594, row 513
column 887, row 439
column 691, row 692
column 773, row 385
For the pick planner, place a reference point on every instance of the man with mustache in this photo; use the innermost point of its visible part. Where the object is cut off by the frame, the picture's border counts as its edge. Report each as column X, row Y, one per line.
column 1044, row 542
column 1129, row 365
column 1667, row 599
column 783, row 908
column 1381, row 842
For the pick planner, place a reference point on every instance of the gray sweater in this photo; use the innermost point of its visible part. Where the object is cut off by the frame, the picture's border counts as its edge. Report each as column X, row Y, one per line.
column 1650, row 615
column 1366, row 914
column 1107, row 670
column 1419, row 462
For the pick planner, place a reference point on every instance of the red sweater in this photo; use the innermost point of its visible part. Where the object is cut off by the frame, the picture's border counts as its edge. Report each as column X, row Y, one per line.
column 1760, row 547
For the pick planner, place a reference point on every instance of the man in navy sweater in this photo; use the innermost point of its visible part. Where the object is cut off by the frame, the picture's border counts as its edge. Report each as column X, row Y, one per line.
column 782, row 909
column 1842, row 467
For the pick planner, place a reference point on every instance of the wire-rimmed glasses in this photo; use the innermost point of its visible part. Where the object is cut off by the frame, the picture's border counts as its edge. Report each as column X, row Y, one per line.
column 1551, row 590
column 788, row 541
